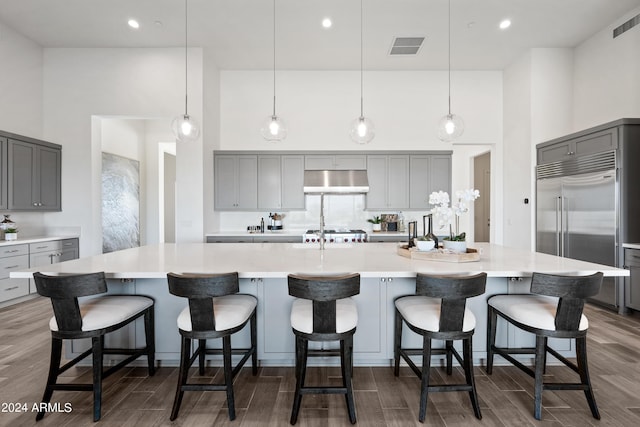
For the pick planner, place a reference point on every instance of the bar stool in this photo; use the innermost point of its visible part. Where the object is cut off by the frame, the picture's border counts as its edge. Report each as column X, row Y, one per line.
column 215, row 310
column 552, row 310
column 92, row 318
column 438, row 311
column 323, row 311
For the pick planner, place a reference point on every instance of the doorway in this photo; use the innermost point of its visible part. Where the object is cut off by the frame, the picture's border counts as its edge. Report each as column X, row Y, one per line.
column 482, row 211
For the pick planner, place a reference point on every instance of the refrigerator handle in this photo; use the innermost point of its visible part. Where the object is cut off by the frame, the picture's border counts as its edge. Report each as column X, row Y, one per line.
column 563, row 225
column 558, row 226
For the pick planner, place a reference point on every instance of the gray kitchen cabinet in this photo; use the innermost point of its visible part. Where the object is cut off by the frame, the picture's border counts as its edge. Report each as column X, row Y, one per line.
column 3, row 174
column 292, row 182
column 632, row 283
column 428, row 173
column 13, row 258
column 229, row 239
column 335, row 162
column 577, row 145
column 386, row 238
column 269, row 182
column 236, row 182
column 388, row 182
column 266, row 237
column 34, row 176
column 52, row 252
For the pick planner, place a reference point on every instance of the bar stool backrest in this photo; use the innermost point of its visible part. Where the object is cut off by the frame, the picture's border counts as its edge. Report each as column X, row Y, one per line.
column 571, row 291
column 200, row 289
column 324, row 291
column 64, row 291
column 453, row 292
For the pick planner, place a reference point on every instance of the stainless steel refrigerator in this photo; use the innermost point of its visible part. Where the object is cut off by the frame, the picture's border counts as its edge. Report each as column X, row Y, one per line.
column 577, row 213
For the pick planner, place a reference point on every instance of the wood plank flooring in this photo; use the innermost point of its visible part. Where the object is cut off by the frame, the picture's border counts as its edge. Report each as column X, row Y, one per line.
column 132, row 398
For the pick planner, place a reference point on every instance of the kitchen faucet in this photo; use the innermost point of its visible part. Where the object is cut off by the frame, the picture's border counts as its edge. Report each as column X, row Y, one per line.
column 321, row 238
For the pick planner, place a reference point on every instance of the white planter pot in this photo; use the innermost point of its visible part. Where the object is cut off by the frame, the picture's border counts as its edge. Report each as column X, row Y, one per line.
column 460, row 247
column 10, row 236
column 376, row 227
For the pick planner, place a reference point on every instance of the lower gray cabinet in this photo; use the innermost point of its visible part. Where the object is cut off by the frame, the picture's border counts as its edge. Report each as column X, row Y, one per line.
column 52, row 252
column 13, row 258
column 632, row 283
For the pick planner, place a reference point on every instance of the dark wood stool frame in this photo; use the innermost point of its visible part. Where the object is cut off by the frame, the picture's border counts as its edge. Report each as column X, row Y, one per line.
column 64, row 292
column 453, row 292
column 324, row 291
column 572, row 292
column 200, row 289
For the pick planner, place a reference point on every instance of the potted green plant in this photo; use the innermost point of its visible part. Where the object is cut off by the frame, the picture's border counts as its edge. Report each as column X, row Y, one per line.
column 377, row 223
column 11, row 234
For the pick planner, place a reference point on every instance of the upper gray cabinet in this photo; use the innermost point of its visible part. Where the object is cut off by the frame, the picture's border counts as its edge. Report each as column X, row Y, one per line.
column 236, row 182
column 269, row 182
column 292, row 182
column 388, row 181
column 34, row 175
column 428, row 173
column 3, row 173
column 335, row 162
column 571, row 146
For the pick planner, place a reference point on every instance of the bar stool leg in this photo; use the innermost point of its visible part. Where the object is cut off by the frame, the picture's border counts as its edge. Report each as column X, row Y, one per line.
column 149, row 332
column 185, row 355
column 539, row 372
column 424, row 387
column 97, row 345
column 301, row 368
column 449, row 347
column 467, row 355
column 254, row 344
column 202, row 345
column 54, row 365
column 397, row 343
column 581, row 356
column 347, row 351
column 492, row 320
column 228, row 375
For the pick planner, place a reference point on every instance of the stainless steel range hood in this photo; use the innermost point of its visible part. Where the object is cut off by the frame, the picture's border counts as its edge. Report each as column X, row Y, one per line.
column 336, row 182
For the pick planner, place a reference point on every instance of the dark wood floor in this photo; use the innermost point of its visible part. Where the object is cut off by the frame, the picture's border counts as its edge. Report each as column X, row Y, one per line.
column 132, row 398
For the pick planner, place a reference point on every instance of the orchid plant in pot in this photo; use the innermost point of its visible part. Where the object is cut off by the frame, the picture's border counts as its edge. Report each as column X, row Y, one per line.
column 450, row 215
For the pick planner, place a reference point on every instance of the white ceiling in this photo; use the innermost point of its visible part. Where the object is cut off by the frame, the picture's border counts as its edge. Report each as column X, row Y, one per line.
column 238, row 33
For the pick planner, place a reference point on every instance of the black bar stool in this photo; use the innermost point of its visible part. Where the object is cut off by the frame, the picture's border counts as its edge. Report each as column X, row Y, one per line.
column 92, row 318
column 552, row 310
column 323, row 311
column 438, row 311
column 215, row 310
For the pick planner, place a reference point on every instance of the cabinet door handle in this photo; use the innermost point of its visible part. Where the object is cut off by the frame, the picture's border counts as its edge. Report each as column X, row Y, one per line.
column 11, row 288
column 12, row 251
column 9, row 267
column 41, row 247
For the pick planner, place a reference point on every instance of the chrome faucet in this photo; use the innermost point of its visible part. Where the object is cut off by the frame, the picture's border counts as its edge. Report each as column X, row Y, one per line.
column 321, row 238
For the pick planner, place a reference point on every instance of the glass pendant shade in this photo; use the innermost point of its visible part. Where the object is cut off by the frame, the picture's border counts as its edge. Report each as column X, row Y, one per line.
column 450, row 127
column 185, row 128
column 362, row 130
column 274, row 129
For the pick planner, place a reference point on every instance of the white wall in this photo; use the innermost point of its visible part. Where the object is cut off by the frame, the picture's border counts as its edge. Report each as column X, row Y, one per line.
column 319, row 106
column 606, row 78
column 136, row 83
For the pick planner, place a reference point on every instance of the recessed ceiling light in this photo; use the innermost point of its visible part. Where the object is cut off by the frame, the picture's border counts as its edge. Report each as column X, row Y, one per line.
column 133, row 23
column 504, row 24
column 326, row 23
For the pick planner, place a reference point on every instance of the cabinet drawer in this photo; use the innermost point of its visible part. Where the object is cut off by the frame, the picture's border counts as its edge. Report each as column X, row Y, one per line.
column 69, row 244
column 13, row 288
column 632, row 257
column 9, row 264
column 53, row 245
column 14, row 250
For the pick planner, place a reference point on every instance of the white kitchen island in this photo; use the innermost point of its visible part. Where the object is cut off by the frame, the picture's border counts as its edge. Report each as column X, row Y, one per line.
column 263, row 269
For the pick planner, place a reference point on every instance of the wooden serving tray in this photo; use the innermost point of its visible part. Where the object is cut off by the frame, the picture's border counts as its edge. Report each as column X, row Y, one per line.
column 437, row 255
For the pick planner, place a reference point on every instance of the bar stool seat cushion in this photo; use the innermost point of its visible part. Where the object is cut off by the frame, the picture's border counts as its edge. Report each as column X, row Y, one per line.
column 105, row 311
column 535, row 311
column 230, row 311
column 302, row 315
column 424, row 313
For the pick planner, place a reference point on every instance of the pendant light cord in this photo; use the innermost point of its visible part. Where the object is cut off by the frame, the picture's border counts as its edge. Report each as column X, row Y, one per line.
column 185, row 57
column 449, row 54
column 361, row 66
column 274, row 58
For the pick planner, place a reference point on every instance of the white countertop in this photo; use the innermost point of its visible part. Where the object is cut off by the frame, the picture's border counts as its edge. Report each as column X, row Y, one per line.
column 35, row 239
column 276, row 260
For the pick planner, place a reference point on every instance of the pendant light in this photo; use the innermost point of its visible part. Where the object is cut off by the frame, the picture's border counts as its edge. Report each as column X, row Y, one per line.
column 362, row 129
column 274, row 129
column 185, row 128
column 451, row 126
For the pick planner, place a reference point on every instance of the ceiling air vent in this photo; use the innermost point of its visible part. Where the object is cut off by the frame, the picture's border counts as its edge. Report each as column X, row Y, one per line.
column 626, row 26
column 406, row 45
